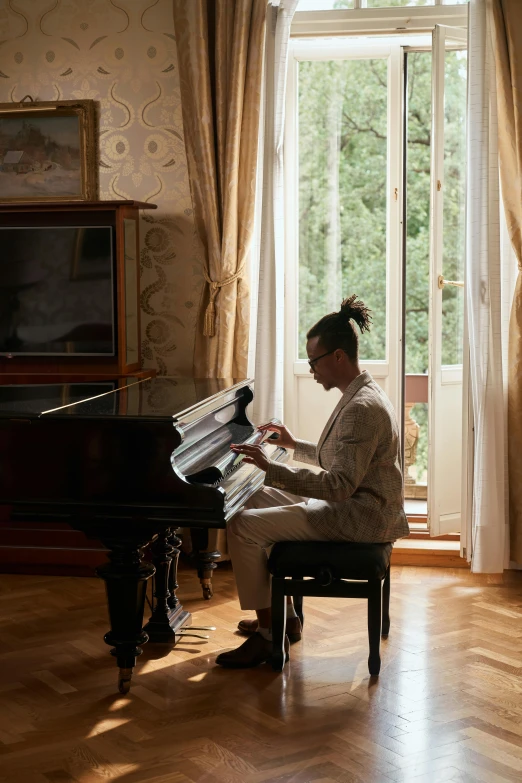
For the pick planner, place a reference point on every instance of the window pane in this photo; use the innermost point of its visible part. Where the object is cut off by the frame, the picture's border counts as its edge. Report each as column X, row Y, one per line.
column 395, row 3
column 419, row 469
column 342, row 193
column 328, row 5
column 323, row 5
column 418, row 211
column 454, row 192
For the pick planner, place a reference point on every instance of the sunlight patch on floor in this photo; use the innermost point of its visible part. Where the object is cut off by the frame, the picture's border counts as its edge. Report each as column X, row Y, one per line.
column 119, row 704
column 107, row 724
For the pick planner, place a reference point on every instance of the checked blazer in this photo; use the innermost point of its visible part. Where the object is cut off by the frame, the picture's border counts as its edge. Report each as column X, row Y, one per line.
column 358, row 494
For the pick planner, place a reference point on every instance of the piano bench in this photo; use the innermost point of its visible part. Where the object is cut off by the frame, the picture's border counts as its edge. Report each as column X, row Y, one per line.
column 321, row 568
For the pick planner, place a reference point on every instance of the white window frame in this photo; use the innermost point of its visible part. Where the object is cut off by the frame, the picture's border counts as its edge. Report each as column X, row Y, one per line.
column 373, row 21
column 380, row 370
column 445, row 38
column 400, row 23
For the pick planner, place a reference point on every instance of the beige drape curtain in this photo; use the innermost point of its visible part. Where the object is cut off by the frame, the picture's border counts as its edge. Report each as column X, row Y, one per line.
column 507, row 16
column 220, row 46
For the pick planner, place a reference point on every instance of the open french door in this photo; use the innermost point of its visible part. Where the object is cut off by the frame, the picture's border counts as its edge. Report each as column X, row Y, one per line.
column 352, row 69
column 447, row 249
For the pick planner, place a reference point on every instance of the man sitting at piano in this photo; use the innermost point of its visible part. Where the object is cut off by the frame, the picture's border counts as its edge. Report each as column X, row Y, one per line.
column 357, row 496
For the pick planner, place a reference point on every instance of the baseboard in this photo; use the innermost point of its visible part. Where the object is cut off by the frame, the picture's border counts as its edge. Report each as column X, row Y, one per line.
column 428, row 552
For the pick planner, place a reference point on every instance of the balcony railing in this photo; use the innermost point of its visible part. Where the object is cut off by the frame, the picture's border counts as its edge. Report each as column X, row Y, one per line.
column 415, row 437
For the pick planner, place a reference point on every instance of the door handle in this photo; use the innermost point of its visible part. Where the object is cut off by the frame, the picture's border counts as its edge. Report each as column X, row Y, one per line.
column 442, row 282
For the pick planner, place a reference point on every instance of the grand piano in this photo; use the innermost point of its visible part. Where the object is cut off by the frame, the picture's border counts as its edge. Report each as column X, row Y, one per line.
column 128, row 463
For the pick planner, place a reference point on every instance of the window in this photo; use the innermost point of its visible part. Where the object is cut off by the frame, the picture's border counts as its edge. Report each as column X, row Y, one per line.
column 342, row 213
column 419, row 66
column 453, row 249
column 375, row 152
column 330, row 5
column 342, row 138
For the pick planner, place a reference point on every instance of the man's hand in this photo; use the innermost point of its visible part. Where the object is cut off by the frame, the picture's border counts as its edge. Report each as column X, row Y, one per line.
column 255, row 455
column 285, row 439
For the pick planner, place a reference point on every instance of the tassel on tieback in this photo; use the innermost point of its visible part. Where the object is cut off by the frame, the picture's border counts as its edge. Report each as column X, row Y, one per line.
column 209, row 322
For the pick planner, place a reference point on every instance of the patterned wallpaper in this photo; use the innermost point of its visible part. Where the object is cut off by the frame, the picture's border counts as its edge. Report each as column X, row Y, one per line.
column 122, row 53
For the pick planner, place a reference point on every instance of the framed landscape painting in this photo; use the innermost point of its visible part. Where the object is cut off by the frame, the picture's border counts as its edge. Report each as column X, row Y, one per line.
column 48, row 151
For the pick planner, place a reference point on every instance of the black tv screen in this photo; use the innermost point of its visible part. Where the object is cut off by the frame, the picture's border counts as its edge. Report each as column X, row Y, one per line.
column 56, row 291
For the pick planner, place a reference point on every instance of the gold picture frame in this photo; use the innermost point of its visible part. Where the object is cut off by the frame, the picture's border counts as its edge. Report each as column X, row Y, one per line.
column 48, row 151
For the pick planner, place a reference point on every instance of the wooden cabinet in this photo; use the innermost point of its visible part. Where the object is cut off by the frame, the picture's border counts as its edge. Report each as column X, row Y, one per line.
column 123, row 219
column 53, row 547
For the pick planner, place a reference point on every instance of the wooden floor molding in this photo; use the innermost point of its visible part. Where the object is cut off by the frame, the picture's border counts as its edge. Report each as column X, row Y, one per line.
column 417, row 550
column 447, row 706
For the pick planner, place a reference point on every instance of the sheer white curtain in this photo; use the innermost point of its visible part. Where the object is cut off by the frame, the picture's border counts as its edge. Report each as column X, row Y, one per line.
column 267, row 343
column 490, row 274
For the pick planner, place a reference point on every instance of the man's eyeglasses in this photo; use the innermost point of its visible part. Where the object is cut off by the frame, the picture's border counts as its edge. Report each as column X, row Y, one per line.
column 312, row 362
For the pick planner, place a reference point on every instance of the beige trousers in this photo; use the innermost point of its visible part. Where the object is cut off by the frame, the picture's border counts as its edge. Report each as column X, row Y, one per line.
column 271, row 515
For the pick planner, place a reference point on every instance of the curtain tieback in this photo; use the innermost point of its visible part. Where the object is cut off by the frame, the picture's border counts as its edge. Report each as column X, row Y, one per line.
column 210, row 313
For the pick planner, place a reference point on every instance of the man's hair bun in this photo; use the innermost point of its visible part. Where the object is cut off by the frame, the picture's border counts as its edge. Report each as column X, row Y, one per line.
column 355, row 310
column 336, row 330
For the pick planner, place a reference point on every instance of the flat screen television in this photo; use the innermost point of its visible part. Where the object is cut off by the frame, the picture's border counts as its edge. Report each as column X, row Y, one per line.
column 57, row 293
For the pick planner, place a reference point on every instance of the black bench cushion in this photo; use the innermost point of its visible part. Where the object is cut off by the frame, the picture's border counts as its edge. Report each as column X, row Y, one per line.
column 345, row 560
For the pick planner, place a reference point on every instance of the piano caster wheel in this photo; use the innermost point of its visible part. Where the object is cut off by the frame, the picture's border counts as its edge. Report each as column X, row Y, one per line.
column 208, row 592
column 124, row 680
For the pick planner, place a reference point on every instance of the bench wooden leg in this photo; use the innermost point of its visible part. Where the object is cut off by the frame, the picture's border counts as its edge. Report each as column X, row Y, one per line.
column 298, row 602
column 386, row 605
column 278, row 624
column 374, row 625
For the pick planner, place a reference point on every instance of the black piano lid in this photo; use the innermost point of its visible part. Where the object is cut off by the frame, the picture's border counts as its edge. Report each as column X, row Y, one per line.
column 163, row 397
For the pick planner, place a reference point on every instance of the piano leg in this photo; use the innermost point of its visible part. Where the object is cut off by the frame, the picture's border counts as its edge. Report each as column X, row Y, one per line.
column 203, row 559
column 125, row 577
column 168, row 615
column 173, row 600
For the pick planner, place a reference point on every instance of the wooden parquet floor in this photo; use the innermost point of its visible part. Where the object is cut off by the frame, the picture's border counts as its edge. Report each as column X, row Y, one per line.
column 447, row 706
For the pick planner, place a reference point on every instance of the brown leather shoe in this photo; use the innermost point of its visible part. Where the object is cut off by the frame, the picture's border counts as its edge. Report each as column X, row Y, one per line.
column 294, row 629
column 254, row 651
